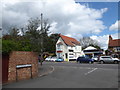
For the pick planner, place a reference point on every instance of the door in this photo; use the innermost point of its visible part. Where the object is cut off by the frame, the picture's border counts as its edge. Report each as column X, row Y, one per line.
column 5, row 61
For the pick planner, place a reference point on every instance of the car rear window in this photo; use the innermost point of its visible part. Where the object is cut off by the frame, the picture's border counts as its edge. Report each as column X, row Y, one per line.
column 106, row 57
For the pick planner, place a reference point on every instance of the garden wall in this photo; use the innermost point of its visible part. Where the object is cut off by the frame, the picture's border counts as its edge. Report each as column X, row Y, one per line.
column 22, row 65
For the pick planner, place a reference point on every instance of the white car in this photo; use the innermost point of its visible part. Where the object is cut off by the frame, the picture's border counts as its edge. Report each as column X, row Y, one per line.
column 51, row 58
column 108, row 59
column 95, row 59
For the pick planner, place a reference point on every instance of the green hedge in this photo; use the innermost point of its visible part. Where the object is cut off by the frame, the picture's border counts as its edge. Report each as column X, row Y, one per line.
column 10, row 45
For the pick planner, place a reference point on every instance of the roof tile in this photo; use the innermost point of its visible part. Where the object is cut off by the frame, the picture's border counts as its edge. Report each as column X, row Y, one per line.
column 69, row 41
column 115, row 42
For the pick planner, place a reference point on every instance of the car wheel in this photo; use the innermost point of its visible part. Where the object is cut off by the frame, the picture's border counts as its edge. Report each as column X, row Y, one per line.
column 116, row 62
column 79, row 61
column 101, row 62
column 90, row 62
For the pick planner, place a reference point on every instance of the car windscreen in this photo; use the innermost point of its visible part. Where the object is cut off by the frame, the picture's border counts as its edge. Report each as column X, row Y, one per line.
column 81, row 57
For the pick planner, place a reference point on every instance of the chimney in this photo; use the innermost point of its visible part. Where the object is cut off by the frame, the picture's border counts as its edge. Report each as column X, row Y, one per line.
column 110, row 38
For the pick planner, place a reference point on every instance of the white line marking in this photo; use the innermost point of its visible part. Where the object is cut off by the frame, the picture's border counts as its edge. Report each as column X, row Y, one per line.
column 91, row 71
column 53, row 69
column 48, row 72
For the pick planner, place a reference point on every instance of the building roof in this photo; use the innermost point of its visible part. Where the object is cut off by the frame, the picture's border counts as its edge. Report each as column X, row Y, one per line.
column 60, row 43
column 113, row 42
column 90, row 48
column 69, row 41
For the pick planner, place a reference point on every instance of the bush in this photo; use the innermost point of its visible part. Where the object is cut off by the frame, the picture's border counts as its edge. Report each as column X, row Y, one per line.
column 10, row 45
column 7, row 46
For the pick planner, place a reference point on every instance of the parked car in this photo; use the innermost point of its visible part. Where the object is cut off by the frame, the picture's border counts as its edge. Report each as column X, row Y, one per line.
column 85, row 60
column 108, row 59
column 95, row 58
column 59, row 59
column 51, row 58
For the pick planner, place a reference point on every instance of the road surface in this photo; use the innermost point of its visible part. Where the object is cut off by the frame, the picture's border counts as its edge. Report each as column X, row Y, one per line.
column 73, row 75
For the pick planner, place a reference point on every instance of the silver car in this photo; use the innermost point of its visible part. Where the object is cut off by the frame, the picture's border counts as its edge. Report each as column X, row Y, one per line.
column 108, row 59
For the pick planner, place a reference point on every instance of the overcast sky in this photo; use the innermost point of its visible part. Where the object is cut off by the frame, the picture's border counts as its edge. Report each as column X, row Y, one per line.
column 97, row 20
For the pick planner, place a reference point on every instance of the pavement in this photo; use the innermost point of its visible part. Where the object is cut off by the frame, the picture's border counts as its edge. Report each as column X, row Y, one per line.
column 44, row 70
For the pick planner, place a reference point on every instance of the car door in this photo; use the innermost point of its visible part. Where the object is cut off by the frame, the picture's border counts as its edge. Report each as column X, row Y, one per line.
column 111, row 60
column 108, row 59
column 85, row 59
column 82, row 59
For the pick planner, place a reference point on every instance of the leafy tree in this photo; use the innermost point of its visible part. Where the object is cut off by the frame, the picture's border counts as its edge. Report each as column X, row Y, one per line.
column 37, row 32
column 34, row 38
column 53, row 40
column 15, row 42
column 54, row 37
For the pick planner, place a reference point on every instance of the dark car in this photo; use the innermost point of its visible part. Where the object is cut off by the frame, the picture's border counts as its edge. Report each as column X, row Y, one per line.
column 84, row 60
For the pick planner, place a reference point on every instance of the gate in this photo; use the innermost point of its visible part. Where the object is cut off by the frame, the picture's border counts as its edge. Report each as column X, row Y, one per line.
column 5, row 61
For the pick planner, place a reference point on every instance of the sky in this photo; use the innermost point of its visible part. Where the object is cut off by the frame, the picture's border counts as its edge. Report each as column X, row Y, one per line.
column 97, row 20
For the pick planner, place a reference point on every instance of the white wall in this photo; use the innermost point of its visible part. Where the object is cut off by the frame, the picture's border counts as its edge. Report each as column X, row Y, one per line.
column 64, row 48
column 77, row 50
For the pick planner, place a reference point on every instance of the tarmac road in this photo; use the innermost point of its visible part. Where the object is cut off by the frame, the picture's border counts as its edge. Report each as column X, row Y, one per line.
column 73, row 75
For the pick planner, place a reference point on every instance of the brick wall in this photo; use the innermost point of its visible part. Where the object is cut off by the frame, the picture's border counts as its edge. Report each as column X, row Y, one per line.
column 22, row 58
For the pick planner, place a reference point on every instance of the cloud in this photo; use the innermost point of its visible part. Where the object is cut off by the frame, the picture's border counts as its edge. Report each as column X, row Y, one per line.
column 68, row 18
column 103, row 40
column 115, row 26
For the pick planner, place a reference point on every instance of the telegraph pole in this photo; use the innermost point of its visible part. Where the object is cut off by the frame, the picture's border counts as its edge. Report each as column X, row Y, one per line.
column 41, row 33
column 41, row 39
column 41, row 21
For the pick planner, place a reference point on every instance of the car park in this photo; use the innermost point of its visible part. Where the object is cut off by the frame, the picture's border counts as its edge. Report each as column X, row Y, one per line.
column 84, row 59
column 108, row 59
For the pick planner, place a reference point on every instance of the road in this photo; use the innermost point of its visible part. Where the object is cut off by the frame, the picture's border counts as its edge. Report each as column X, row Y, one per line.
column 74, row 75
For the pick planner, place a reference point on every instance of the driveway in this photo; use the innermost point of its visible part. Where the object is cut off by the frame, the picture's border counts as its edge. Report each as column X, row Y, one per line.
column 73, row 75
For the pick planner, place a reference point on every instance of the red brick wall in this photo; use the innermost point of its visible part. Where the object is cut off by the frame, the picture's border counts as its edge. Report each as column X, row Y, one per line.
column 22, row 58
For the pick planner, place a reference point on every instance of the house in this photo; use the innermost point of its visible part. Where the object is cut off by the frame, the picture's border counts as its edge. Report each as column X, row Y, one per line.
column 114, row 47
column 92, row 52
column 68, row 48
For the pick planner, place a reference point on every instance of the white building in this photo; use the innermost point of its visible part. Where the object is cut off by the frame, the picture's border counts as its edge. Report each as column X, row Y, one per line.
column 92, row 52
column 68, row 48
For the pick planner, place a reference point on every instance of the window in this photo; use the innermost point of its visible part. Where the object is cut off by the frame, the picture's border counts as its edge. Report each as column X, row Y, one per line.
column 58, row 46
column 70, row 54
column 105, row 57
column 70, row 50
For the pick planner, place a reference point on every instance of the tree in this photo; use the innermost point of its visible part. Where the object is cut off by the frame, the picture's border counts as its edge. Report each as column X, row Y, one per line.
column 87, row 41
column 54, row 37
column 37, row 32
column 53, row 40
column 15, row 42
column 14, row 32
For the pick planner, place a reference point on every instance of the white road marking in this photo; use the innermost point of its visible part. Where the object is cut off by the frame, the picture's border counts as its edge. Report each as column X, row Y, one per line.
column 53, row 69
column 91, row 71
column 48, row 72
